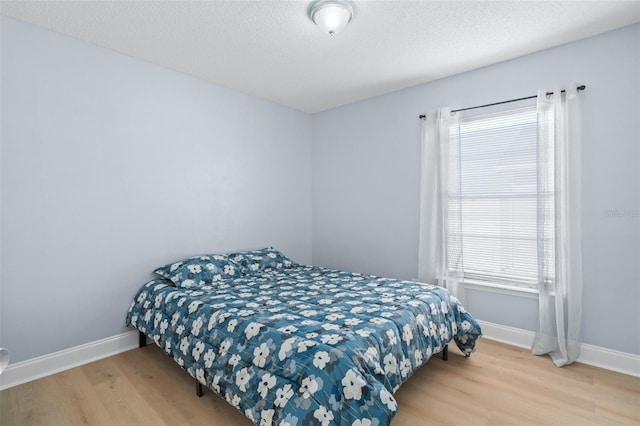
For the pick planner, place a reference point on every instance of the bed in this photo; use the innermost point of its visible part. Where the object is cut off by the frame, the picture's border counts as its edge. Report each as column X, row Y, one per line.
column 292, row 344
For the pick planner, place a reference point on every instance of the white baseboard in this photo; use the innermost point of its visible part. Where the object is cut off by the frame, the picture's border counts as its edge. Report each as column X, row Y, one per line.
column 505, row 334
column 597, row 356
column 46, row 365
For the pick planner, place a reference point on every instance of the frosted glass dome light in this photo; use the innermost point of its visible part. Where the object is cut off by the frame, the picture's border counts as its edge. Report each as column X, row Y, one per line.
column 331, row 16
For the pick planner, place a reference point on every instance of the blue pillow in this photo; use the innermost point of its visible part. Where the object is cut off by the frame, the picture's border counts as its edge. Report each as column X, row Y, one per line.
column 200, row 270
column 263, row 260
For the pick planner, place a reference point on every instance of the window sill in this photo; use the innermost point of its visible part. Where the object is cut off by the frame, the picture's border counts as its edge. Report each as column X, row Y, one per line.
column 529, row 293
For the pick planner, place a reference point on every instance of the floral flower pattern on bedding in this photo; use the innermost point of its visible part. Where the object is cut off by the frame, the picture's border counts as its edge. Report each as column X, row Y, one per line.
column 200, row 270
column 263, row 260
column 305, row 345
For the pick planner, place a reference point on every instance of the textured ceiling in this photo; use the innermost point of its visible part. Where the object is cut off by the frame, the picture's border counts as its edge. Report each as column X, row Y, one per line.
column 271, row 49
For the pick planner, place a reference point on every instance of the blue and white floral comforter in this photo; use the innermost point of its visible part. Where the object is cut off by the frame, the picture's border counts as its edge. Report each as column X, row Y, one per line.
column 304, row 345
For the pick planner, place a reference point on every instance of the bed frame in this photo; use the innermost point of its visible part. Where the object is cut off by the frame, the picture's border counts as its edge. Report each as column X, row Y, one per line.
column 142, row 342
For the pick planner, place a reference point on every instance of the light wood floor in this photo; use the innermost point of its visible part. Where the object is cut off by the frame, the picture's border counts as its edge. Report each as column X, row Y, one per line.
column 498, row 385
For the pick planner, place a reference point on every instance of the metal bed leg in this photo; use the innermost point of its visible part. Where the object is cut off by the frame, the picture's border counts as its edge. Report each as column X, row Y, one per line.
column 199, row 391
column 142, row 339
column 445, row 353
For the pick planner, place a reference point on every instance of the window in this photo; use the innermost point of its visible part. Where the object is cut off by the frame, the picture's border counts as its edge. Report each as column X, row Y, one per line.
column 500, row 198
column 493, row 226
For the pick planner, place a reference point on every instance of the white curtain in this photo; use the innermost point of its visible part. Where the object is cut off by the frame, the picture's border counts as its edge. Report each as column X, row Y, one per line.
column 559, row 242
column 440, row 250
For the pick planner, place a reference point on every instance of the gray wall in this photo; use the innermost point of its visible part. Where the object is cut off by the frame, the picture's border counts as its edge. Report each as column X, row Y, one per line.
column 111, row 166
column 366, row 172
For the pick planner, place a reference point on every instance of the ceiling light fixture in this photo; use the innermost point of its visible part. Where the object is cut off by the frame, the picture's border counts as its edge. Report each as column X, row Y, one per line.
column 332, row 16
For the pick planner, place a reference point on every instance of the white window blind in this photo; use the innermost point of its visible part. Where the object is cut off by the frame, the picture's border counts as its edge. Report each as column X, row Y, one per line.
column 494, row 203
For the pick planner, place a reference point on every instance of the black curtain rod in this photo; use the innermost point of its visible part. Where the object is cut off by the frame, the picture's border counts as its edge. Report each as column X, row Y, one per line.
column 582, row 87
